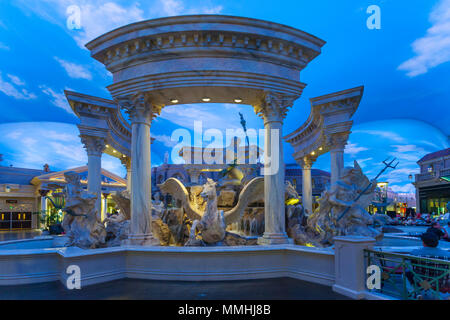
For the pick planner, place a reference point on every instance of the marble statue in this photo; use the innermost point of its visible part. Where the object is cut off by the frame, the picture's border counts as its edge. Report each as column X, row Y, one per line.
column 118, row 226
column 253, row 191
column 80, row 223
column 338, row 213
column 211, row 227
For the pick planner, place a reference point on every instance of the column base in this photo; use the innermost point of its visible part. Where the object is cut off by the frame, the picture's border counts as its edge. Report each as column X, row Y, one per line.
column 275, row 238
column 140, row 240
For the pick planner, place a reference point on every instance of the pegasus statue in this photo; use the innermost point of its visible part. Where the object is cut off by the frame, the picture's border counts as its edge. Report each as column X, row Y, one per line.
column 209, row 225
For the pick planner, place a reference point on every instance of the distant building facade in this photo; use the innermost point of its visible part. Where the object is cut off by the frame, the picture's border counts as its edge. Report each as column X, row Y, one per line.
column 25, row 193
column 433, row 182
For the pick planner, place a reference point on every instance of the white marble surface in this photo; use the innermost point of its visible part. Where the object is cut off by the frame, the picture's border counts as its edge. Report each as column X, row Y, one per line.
column 337, row 163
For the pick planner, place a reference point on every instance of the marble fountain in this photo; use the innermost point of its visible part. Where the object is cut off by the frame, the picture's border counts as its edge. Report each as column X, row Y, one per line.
column 219, row 230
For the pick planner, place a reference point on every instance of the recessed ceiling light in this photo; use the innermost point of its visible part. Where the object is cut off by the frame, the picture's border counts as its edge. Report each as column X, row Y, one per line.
column 174, row 100
column 313, row 153
column 206, row 99
column 238, row 100
column 107, row 146
column 114, row 151
column 320, row 148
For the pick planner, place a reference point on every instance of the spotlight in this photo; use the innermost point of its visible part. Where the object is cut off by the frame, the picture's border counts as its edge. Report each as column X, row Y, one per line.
column 206, row 99
column 174, row 100
column 238, row 100
column 313, row 153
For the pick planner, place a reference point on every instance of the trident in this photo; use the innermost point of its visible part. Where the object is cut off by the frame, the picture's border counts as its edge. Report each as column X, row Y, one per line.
column 386, row 165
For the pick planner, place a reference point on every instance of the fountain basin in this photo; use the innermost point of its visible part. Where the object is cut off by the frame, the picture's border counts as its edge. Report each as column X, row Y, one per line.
column 22, row 266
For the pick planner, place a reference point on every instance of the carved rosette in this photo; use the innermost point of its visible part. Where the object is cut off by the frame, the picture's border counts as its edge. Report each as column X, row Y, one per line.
column 274, row 107
column 93, row 145
column 139, row 108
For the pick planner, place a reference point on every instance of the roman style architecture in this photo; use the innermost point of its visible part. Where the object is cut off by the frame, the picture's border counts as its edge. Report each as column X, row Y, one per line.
column 193, row 59
column 433, row 182
column 326, row 130
column 25, row 193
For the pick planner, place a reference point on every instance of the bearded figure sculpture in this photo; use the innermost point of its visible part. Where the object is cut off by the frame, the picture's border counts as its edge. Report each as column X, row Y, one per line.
column 81, row 223
column 339, row 213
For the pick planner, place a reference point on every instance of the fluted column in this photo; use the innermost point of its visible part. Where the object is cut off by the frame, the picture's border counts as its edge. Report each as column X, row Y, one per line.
column 126, row 161
column 273, row 110
column 94, row 148
column 43, row 194
column 105, row 205
column 306, row 164
column 337, row 146
column 141, row 113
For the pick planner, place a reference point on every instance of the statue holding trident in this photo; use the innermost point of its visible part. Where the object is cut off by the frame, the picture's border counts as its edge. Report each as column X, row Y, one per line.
column 342, row 210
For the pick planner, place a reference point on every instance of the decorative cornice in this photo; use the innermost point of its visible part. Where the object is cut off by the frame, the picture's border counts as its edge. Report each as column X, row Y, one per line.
column 328, row 125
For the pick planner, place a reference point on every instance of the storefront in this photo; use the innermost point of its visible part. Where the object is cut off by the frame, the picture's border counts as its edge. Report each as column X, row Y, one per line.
column 434, row 199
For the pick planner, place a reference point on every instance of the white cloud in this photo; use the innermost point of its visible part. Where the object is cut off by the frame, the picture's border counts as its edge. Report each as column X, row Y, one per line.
column 407, row 188
column 4, row 46
column 16, row 80
column 100, row 16
column 407, row 148
column 434, row 48
column 33, row 144
column 12, row 90
column 165, row 140
column 383, row 134
column 172, row 7
column 185, row 115
column 74, row 70
column 353, row 149
column 58, row 99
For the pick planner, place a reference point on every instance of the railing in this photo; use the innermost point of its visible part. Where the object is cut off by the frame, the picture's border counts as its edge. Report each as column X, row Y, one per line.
column 409, row 277
column 425, row 176
column 444, row 172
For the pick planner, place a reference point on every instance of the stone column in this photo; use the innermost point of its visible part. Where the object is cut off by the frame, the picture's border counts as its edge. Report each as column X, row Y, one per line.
column 273, row 110
column 126, row 161
column 338, row 142
column 141, row 113
column 105, row 205
column 417, row 197
column 307, row 200
column 194, row 174
column 94, row 147
column 43, row 194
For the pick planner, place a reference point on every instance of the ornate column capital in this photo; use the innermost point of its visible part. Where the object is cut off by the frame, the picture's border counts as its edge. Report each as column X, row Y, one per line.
column 139, row 108
column 337, row 141
column 307, row 162
column 43, row 192
column 126, row 161
column 93, row 145
column 273, row 107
